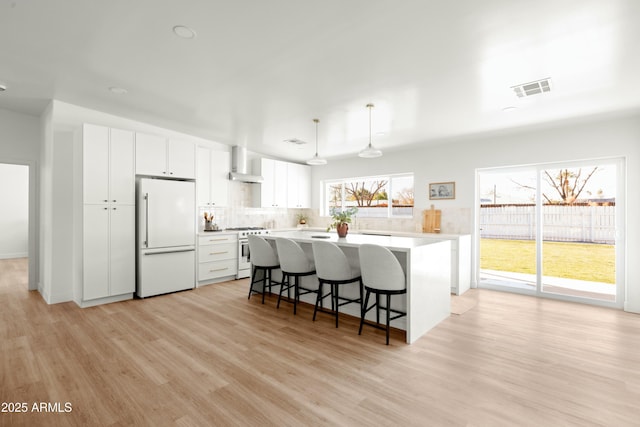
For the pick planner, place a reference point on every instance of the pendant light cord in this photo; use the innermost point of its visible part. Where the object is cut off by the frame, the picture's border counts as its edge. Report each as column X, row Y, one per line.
column 316, row 121
column 370, row 106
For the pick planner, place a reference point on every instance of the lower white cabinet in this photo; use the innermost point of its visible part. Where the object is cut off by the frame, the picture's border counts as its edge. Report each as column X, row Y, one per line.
column 217, row 257
column 108, row 251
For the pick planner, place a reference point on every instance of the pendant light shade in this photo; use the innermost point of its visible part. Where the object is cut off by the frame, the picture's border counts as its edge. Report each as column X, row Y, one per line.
column 316, row 160
column 370, row 151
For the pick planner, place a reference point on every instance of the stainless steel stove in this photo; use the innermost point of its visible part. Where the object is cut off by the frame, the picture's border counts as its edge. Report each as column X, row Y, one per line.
column 244, row 257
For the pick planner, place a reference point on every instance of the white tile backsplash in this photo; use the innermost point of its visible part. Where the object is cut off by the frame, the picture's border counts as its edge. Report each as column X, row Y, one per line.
column 241, row 214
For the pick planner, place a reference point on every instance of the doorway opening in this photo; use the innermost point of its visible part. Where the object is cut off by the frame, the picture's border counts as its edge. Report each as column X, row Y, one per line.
column 550, row 230
column 14, row 225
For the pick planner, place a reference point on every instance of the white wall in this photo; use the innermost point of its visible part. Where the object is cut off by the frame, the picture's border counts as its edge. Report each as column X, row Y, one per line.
column 20, row 144
column 14, row 211
column 457, row 161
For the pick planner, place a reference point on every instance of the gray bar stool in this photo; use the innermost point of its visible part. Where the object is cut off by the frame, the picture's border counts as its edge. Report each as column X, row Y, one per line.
column 264, row 258
column 333, row 268
column 293, row 263
column 382, row 274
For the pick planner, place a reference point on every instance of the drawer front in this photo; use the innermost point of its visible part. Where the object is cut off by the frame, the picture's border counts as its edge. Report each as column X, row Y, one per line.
column 207, row 253
column 215, row 269
column 215, row 239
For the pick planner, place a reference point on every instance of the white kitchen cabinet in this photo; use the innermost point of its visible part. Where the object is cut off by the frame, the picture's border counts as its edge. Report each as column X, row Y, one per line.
column 213, row 177
column 108, row 251
column 95, row 166
column 108, row 165
column 298, row 186
column 217, row 257
column 273, row 189
column 151, row 155
column 108, row 215
column 95, row 239
column 122, row 245
column 181, row 159
column 168, row 158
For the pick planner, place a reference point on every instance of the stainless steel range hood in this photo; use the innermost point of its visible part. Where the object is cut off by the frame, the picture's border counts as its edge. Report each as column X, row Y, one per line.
column 239, row 167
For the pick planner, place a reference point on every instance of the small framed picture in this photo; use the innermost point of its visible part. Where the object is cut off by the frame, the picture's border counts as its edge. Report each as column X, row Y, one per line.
column 442, row 190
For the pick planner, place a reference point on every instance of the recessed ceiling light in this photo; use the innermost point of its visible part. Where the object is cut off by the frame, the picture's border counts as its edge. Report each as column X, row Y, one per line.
column 118, row 90
column 509, row 109
column 295, row 141
column 184, row 32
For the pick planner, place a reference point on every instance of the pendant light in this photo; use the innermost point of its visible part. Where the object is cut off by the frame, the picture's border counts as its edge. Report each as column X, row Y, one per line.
column 316, row 160
column 370, row 152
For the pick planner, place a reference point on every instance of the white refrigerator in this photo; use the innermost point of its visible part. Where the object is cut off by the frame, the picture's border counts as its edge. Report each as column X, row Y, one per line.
column 166, row 236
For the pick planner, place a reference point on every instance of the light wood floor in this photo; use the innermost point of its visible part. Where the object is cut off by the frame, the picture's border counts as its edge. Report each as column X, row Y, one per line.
column 210, row 357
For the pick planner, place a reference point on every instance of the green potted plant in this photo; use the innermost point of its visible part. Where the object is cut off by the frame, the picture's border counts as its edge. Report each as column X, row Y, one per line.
column 341, row 220
column 302, row 218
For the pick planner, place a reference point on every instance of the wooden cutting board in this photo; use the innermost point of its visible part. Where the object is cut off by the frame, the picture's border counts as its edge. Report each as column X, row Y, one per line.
column 431, row 220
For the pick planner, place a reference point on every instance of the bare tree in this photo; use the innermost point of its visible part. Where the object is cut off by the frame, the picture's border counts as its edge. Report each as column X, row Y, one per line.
column 405, row 196
column 362, row 194
column 568, row 184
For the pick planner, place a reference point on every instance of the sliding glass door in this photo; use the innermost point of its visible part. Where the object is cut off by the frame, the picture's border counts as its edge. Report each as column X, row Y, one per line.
column 579, row 230
column 551, row 230
column 508, row 228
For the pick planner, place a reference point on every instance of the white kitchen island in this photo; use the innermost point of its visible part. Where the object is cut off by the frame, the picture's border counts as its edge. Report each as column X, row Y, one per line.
column 427, row 264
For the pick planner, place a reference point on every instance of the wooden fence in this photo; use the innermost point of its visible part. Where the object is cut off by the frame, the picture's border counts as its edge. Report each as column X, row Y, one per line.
column 560, row 223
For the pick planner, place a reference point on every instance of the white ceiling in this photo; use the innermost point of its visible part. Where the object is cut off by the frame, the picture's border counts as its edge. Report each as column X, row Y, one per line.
column 260, row 71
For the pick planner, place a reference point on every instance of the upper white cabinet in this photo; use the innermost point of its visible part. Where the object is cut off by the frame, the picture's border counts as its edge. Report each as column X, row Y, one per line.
column 108, row 166
column 181, row 158
column 273, row 190
column 151, row 155
column 213, row 177
column 159, row 156
column 299, row 185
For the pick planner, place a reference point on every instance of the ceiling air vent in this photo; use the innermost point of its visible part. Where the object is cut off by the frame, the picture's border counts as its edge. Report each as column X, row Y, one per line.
column 532, row 88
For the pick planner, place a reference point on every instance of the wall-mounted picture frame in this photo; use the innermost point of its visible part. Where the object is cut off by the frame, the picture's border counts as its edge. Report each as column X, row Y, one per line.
column 442, row 190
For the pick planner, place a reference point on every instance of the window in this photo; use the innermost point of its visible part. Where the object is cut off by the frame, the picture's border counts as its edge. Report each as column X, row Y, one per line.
column 371, row 195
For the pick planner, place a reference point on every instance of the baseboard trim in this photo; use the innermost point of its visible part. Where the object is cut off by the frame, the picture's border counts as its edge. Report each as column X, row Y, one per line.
column 631, row 308
column 14, row 255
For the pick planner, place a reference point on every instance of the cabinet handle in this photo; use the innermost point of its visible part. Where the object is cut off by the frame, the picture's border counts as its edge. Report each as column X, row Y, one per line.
column 218, row 253
column 106, row 209
column 218, row 269
column 217, row 240
column 114, row 201
column 106, row 201
column 170, row 173
column 114, row 209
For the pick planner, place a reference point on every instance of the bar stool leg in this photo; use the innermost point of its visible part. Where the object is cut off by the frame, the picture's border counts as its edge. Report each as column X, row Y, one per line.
column 363, row 311
column 296, row 294
column 319, row 299
column 264, row 283
column 253, row 281
column 285, row 280
column 388, row 315
column 334, row 290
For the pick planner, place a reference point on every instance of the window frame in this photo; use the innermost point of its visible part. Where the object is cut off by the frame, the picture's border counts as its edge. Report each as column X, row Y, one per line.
column 325, row 207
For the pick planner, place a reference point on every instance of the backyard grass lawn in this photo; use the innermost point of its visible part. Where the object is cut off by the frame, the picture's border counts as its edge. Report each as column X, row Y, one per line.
column 581, row 261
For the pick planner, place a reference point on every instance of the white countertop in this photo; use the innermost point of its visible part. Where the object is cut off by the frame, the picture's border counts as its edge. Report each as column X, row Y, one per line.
column 435, row 236
column 398, row 243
